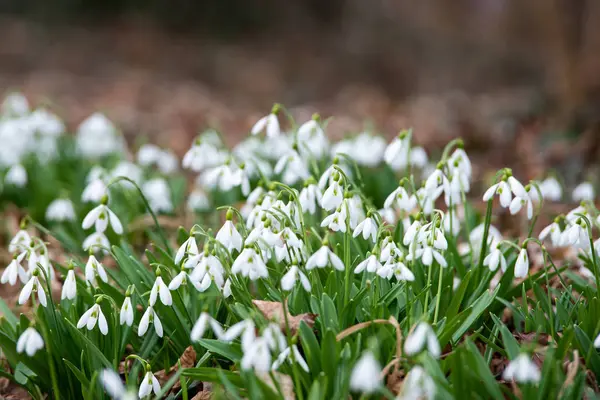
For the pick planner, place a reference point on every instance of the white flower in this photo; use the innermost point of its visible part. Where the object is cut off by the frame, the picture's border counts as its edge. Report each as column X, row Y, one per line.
column 401, row 199
column 229, row 237
column 159, row 288
column 323, row 257
column 502, row 189
column 98, row 137
column 365, row 376
column 94, row 191
column 368, row 227
column 15, row 105
column 257, row 355
column 33, row 285
column 418, row 157
column 336, row 221
column 113, row 385
column 397, row 152
column 203, row 322
column 60, row 210
column 310, row 196
column 293, row 168
column 289, row 279
column 597, row 340
column 551, row 189
column 150, row 317
column 268, row 124
column 16, row 175
column 198, row 201
column 91, row 316
column 189, row 247
column 397, row 269
column 100, row 216
column 417, row 385
column 522, row 370
column 495, row 259
column 422, row 337
column 370, row 264
column 30, row 342
column 428, row 254
column 69, row 289
column 312, row 140
column 149, row 384
column 20, row 242
column 286, row 354
column 158, row 194
column 553, row 230
column 518, row 202
column 227, row 288
column 203, row 154
column 522, row 264
column 333, row 196
column 96, row 239
column 250, row 264
column 583, row 192
column 126, row 314
column 93, row 269
column 14, row 271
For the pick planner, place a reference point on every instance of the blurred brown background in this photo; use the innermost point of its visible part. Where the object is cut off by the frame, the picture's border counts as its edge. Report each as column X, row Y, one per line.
column 519, row 77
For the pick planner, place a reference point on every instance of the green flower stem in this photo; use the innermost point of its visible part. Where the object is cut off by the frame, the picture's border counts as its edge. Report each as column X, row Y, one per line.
column 439, row 295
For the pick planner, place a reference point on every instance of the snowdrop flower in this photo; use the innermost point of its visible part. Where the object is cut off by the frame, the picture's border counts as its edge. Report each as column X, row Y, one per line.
column 160, row 289
column 397, row 152
column 576, row 235
column 336, row 221
column 422, row 337
column 418, row 157
column 388, row 215
column 96, row 239
column 189, row 247
column 323, row 257
column 149, row 384
column 428, row 254
column 15, row 105
column 204, row 154
column 16, row 175
column 94, row 269
column 69, row 289
column 286, row 354
column 522, row 264
column 310, row 196
column 518, row 202
column 94, row 191
column 293, row 168
column 502, row 189
column 203, row 322
column 312, row 140
column 522, row 370
column 333, row 195
column 418, row 385
column 583, row 192
column 198, row 201
column 30, row 342
column 228, row 235
column 250, row 264
column 397, row 269
column 19, row 242
column 100, row 217
column 434, row 181
column 401, row 199
column 181, row 279
column 113, row 385
column 97, row 137
column 150, row 317
column 370, row 264
column 226, row 290
column 148, row 154
column 60, row 210
column 365, row 376
column 257, row 355
column 91, row 316
column 14, row 271
column 494, row 259
column 268, row 124
column 289, row 279
column 451, row 222
column 368, row 227
column 33, row 285
column 551, row 189
column 553, row 230
column 158, row 194
column 126, row 313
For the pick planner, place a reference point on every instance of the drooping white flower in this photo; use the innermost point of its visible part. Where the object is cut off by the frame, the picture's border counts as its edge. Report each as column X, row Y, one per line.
column 198, row 201
column 250, row 264
column 551, row 189
column 365, row 376
column 158, row 194
column 332, row 197
column 312, row 140
column 418, row 385
column 96, row 240
column 428, row 254
column 60, row 210
column 91, row 316
column 401, row 199
column 292, row 167
column 30, row 342
column 310, row 196
column 189, row 248
column 14, row 271
column 396, row 154
column 203, row 154
column 370, row 264
column 502, row 189
column 336, row 221
column 268, row 124
column 19, row 242
column 33, row 285
column 203, row 322
column 150, row 317
column 148, row 385
column 114, row 386
column 397, row 269
column 97, row 137
column 494, row 259
column 16, row 175
column 69, row 289
column 160, row 289
column 522, row 264
column 286, row 354
column 522, row 370
column 420, row 338
column 289, row 279
column 324, row 257
column 518, row 202
column 94, row 269
column 100, row 217
column 126, row 313
column 94, row 191
column 368, row 228
column 583, row 192
column 418, row 157
column 229, row 236
column 15, row 105
column 553, row 230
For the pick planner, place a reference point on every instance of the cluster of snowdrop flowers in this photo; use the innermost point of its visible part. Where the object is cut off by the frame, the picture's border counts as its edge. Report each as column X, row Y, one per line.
column 100, row 217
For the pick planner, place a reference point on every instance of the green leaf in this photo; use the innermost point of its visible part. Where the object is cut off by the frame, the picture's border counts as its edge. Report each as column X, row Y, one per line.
column 310, row 346
column 7, row 313
column 207, row 374
column 231, row 351
column 458, row 296
column 510, row 343
column 329, row 317
column 478, row 308
column 478, row 366
column 86, row 343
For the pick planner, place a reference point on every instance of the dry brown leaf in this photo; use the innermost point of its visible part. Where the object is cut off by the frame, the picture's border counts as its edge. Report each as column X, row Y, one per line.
column 203, row 395
column 285, row 383
column 395, row 379
column 187, row 360
column 274, row 311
